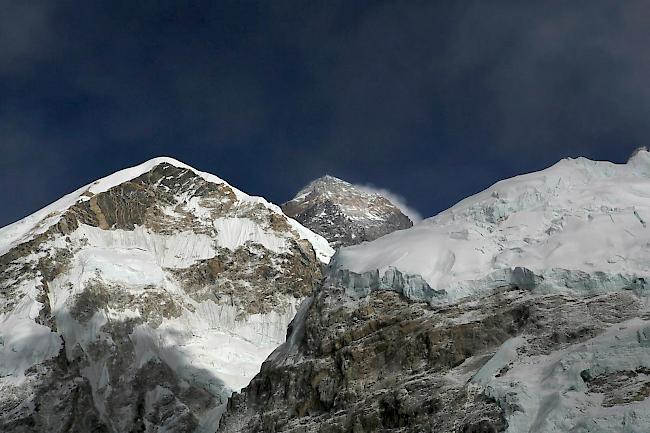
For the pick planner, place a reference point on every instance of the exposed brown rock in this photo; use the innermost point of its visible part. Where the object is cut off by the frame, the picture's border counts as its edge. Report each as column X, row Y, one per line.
column 384, row 363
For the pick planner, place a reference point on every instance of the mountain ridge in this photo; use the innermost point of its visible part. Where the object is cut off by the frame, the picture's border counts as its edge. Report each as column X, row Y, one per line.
column 13, row 232
column 141, row 301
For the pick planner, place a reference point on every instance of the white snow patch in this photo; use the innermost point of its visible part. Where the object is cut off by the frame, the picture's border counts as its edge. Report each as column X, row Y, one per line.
column 23, row 342
column 177, row 250
column 235, row 232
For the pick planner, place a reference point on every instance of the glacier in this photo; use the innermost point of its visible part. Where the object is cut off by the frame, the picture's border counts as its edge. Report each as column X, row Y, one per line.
column 577, row 226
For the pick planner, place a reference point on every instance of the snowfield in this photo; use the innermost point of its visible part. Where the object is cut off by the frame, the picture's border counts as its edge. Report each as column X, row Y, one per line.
column 578, row 225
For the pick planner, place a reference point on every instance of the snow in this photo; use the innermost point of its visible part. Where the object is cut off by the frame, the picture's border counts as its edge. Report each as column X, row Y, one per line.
column 37, row 223
column 211, row 339
column 177, row 250
column 289, row 348
column 23, row 342
column 211, row 346
column 235, row 232
column 324, row 251
column 579, row 215
column 546, row 393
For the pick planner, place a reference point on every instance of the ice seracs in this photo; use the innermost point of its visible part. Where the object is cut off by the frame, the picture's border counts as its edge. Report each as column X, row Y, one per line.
column 578, row 225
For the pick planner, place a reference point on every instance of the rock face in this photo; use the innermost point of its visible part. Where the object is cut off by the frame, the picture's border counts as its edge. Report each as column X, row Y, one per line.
column 344, row 214
column 508, row 361
column 525, row 308
column 141, row 301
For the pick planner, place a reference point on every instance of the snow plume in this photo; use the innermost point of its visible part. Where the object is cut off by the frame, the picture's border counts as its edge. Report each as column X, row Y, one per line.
column 396, row 199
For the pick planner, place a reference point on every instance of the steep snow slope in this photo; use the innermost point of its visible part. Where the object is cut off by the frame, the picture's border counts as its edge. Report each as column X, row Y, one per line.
column 601, row 385
column 578, row 222
column 141, row 301
column 38, row 222
column 343, row 213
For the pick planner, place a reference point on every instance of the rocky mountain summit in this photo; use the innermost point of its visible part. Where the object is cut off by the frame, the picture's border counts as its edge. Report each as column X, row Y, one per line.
column 524, row 308
column 138, row 303
column 344, row 214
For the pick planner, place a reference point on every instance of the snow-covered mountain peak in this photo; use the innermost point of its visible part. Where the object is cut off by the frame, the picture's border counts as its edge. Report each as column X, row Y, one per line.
column 42, row 220
column 130, row 173
column 158, row 275
column 344, row 213
column 325, row 183
column 641, row 151
column 353, row 200
column 565, row 224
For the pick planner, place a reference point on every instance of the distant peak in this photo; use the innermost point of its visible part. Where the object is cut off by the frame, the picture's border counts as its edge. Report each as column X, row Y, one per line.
column 344, row 213
column 325, row 183
column 643, row 151
column 330, row 179
column 153, row 162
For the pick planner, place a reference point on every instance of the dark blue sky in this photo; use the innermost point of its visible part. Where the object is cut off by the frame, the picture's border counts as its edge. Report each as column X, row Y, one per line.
column 431, row 100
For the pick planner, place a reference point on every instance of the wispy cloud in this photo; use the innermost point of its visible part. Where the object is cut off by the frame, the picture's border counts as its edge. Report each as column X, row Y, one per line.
column 396, row 199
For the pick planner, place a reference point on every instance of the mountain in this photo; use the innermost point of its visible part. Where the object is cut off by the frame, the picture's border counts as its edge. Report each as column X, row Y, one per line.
column 343, row 213
column 142, row 300
column 524, row 308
